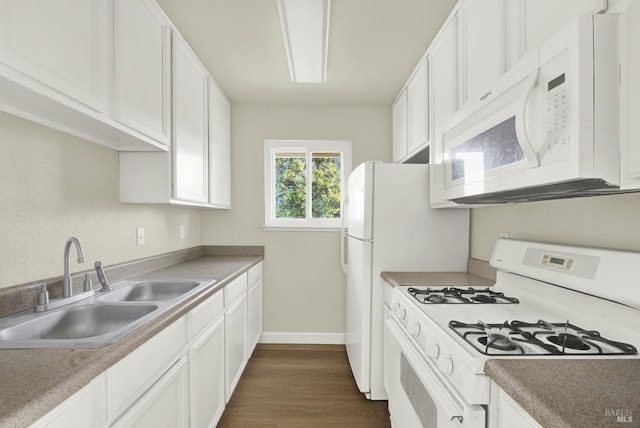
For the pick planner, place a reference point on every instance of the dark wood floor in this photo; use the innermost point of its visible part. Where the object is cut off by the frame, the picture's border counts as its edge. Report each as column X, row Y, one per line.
column 301, row 386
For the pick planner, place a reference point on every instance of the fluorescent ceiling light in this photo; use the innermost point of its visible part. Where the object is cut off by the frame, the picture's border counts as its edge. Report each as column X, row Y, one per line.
column 305, row 28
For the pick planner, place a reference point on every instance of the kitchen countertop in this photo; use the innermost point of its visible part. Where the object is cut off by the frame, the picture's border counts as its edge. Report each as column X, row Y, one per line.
column 34, row 381
column 451, row 279
column 572, row 393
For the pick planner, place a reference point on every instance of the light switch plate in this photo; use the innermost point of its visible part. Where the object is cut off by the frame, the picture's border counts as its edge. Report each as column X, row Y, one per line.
column 140, row 235
column 183, row 231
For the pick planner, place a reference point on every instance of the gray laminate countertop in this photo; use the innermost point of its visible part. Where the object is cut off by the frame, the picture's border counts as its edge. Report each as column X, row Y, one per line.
column 34, row 381
column 449, row 279
column 572, row 393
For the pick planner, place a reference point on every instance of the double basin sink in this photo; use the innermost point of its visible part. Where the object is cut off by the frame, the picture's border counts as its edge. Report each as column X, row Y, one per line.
column 100, row 319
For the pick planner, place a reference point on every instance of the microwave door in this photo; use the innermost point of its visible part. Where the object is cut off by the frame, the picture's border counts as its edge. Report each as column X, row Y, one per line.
column 496, row 139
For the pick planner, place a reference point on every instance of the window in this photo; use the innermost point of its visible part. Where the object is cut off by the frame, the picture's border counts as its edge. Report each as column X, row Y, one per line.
column 305, row 181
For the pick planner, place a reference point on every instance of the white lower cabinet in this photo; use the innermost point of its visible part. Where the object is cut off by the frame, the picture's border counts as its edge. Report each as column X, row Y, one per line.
column 235, row 346
column 255, row 315
column 206, row 367
column 85, row 408
column 206, row 364
column 165, row 405
column 133, row 376
column 254, row 303
column 506, row 413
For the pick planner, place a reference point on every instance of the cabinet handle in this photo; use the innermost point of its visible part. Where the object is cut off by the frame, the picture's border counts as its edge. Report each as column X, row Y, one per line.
column 458, row 418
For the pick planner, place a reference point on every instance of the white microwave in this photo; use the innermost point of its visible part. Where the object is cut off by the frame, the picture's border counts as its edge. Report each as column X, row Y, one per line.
column 548, row 128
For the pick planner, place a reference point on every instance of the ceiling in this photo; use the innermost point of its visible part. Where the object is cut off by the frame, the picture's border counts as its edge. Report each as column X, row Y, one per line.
column 373, row 47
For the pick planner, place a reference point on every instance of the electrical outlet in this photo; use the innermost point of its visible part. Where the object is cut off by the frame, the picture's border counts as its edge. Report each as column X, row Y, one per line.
column 140, row 235
column 183, row 231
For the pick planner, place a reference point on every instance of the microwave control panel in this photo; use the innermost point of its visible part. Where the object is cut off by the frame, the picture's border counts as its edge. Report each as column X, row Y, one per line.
column 556, row 144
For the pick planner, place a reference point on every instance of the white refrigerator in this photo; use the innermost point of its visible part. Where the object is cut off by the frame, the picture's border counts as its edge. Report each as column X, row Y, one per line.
column 388, row 225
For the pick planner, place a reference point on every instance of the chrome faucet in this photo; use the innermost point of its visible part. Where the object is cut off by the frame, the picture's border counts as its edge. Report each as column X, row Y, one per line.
column 67, row 289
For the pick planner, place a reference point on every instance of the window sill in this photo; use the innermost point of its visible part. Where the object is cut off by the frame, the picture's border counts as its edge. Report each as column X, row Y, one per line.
column 299, row 229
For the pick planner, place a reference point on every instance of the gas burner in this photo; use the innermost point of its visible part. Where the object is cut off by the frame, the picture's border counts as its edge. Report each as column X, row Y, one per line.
column 455, row 295
column 566, row 340
column 498, row 341
column 435, row 298
column 539, row 338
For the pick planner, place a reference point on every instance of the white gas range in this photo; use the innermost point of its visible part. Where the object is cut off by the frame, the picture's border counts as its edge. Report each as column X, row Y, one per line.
column 549, row 301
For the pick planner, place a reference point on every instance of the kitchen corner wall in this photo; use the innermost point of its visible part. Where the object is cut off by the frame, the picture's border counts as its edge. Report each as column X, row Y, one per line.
column 55, row 186
column 601, row 221
column 304, row 287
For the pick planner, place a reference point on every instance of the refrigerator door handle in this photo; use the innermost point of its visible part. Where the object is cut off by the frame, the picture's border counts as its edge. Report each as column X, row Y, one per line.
column 343, row 234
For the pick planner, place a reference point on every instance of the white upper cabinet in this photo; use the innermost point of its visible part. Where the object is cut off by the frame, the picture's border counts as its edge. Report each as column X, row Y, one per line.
column 483, row 45
column 445, row 76
column 190, row 139
column 538, row 20
column 411, row 115
column 219, row 147
column 418, row 107
column 400, row 130
column 630, row 97
column 142, row 68
column 63, row 44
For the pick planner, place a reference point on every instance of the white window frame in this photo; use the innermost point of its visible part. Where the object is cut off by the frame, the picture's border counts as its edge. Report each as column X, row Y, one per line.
column 271, row 147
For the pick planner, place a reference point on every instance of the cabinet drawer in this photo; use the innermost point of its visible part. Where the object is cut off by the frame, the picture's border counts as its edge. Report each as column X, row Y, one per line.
column 255, row 274
column 165, row 405
column 205, row 313
column 134, row 375
column 234, row 289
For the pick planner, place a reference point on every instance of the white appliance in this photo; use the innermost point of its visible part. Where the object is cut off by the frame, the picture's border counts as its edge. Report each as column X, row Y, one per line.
column 549, row 301
column 389, row 225
column 548, row 128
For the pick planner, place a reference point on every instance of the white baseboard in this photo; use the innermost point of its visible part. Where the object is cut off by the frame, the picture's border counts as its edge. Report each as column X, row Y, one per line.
column 303, row 338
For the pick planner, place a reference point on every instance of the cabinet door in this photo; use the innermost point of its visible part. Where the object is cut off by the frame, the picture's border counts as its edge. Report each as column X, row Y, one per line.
column 543, row 18
column 418, row 107
column 206, row 377
column 132, row 376
column 61, row 43
column 164, row 405
column 142, row 67
column 219, row 147
column 506, row 413
column 190, row 138
column 255, row 315
column 235, row 346
column 630, row 97
column 400, row 129
column 483, row 45
column 444, row 57
column 86, row 408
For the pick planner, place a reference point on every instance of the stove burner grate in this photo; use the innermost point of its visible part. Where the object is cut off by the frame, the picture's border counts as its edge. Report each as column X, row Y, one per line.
column 540, row 338
column 459, row 295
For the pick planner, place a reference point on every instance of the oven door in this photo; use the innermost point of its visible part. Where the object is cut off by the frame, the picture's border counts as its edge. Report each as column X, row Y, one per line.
column 417, row 397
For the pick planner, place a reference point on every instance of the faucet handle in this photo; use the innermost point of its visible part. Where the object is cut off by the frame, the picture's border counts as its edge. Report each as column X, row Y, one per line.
column 43, row 297
column 101, row 276
column 87, row 285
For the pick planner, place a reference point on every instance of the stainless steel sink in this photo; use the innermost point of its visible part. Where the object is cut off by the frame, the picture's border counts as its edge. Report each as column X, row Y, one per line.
column 81, row 326
column 151, row 291
column 100, row 319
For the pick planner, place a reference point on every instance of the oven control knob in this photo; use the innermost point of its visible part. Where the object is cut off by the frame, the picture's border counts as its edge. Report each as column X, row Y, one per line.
column 432, row 349
column 446, row 365
column 414, row 328
column 401, row 313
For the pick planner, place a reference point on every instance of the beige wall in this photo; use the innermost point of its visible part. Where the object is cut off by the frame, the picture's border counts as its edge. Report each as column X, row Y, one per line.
column 304, row 287
column 55, row 186
column 603, row 221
